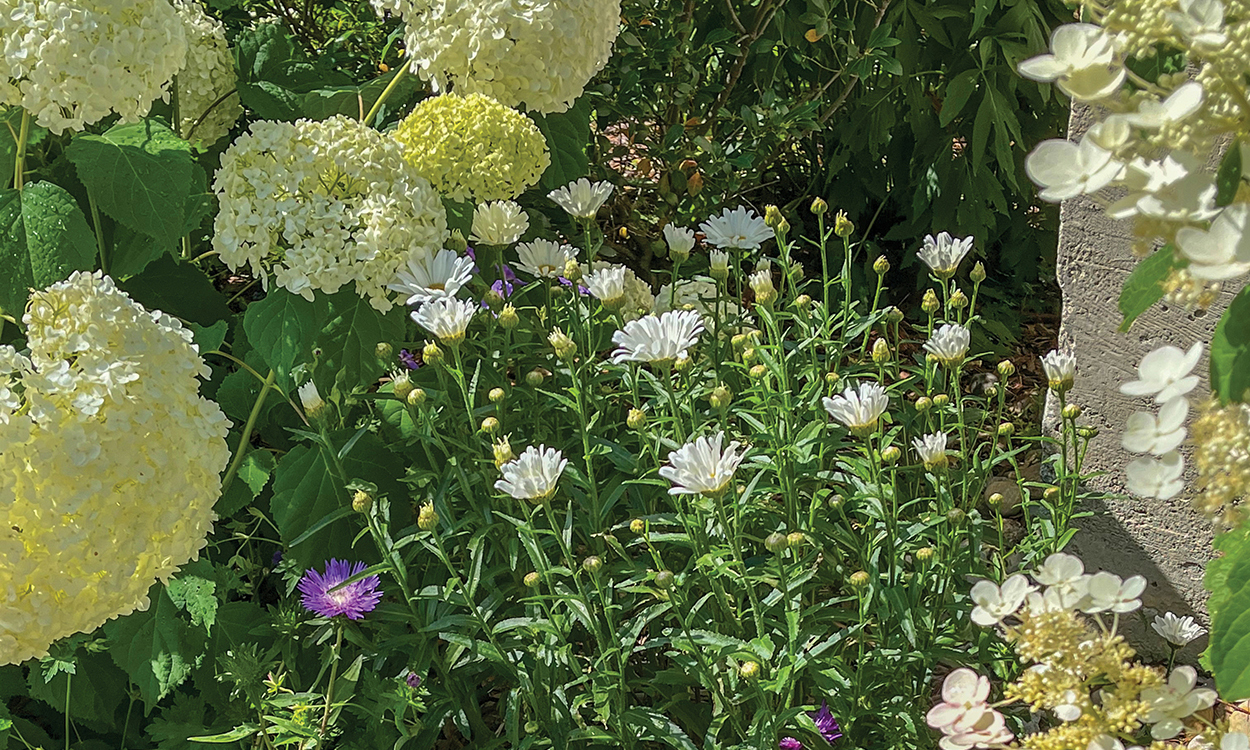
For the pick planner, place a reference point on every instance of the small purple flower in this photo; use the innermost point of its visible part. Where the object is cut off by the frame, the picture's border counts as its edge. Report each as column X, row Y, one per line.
column 789, row 743
column 825, row 723
column 580, row 289
column 277, row 558
column 354, row 600
column 411, row 360
column 413, row 679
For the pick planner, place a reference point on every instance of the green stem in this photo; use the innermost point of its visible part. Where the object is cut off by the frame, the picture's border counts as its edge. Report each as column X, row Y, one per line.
column 20, row 164
column 99, row 232
column 399, row 74
column 69, row 680
column 334, row 671
column 246, row 437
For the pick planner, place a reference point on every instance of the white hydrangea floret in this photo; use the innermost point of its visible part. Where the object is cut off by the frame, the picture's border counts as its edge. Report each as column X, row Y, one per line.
column 208, row 103
column 1083, row 62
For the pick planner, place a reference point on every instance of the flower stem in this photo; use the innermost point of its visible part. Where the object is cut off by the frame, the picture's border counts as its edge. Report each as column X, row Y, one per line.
column 246, row 437
column 386, row 92
column 334, row 671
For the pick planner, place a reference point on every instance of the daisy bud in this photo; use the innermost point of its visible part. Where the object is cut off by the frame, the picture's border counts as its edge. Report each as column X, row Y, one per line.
column 432, row 354
column 859, row 579
column 958, row 300
column 941, row 400
column 796, row 272
column 881, row 265
column 490, row 424
column 893, row 315
column 923, row 404
column 683, row 364
column 925, row 554
column 819, row 206
column 1006, row 429
column 638, row 526
column 456, row 242
column 664, row 580
column 636, row 419
column 836, row 501
column 842, row 225
column 880, row 352
column 1006, row 369
column 978, row 273
column 592, row 564
column 930, row 302
column 721, row 396
column 564, row 346
column 748, row 354
column 362, row 501
column 755, row 336
column 991, row 391
column 832, row 378
column 310, row 399
column 757, row 371
column 955, row 515
column 531, row 727
column 776, row 543
column 1071, row 411
column 995, row 500
column 1086, row 432
column 508, row 317
column 416, row 397
column 427, row 517
column 572, row 271
column 749, row 670
column 738, row 340
column 401, row 386
column 383, row 351
column 718, row 264
column 496, row 395
column 1051, row 494
column 762, row 284
column 802, row 301
column 773, row 217
column 796, row 539
column 891, row 454
column 493, row 299
column 531, row 580
column 535, row 377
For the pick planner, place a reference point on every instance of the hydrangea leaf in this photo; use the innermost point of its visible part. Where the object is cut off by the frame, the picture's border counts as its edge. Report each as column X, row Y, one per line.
column 96, row 690
column 156, row 648
column 178, row 289
column 283, row 327
column 44, row 237
column 1230, row 351
column 349, row 340
column 275, row 75
column 1229, row 649
column 139, row 174
column 1144, row 286
column 567, row 135
column 132, row 251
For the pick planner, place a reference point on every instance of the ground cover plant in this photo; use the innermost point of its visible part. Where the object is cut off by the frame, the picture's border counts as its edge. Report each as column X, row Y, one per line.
column 342, row 411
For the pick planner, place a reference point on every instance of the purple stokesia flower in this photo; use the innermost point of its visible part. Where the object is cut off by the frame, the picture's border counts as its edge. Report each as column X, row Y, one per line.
column 825, row 723
column 789, row 743
column 354, row 600
column 413, row 679
column 411, row 360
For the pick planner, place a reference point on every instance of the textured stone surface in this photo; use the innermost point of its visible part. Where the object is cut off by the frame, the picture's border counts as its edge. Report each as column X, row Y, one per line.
column 1165, row 541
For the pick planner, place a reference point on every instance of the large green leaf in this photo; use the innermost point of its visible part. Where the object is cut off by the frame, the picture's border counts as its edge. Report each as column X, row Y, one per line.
column 179, row 289
column 156, row 648
column 568, row 134
column 139, row 174
column 1230, row 351
column 1144, row 286
column 1229, row 649
column 283, row 327
column 44, row 237
column 349, row 340
column 96, row 690
column 958, row 89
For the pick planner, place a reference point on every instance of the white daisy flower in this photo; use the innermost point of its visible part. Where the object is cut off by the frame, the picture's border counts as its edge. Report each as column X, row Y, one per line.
column 701, row 467
column 1164, row 374
column 607, row 285
column 942, row 254
column 532, row 475
column 544, row 259
column 859, row 410
column 680, row 241
column 1060, row 367
column 432, row 276
column 661, row 339
column 932, row 450
column 446, row 317
column 949, row 344
column 581, row 199
column 1178, row 631
column 739, row 229
column 499, row 223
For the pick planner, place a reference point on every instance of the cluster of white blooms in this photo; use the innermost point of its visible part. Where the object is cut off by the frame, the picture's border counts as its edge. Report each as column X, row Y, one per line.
column 206, row 78
column 1164, row 374
column 700, row 294
column 71, row 64
column 536, row 55
column 322, row 204
column 109, row 462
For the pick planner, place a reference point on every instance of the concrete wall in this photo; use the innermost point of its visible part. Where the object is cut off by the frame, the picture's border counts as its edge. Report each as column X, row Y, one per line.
column 1164, row 540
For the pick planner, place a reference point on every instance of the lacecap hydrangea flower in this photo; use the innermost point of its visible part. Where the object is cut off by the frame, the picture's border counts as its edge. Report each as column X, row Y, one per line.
column 536, row 55
column 71, row 64
column 109, row 462
column 472, row 148
column 323, row 204
column 207, row 77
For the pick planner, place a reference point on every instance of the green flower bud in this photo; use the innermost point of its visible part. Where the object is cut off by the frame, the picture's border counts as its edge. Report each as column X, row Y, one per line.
column 832, row 378
column 1071, row 411
column 925, row 554
column 802, row 302
column 842, row 225
column 1087, row 432
column 508, row 317
column 496, row 395
column 893, row 315
column 930, row 302
column 1006, row 429
column 592, row 564
column 564, row 346
column 749, row 670
column 401, row 386
column 721, row 396
column 819, row 206
column 738, row 340
column 535, row 377
column 1050, row 494
column 859, row 579
column 432, row 354
column 796, row 539
column 978, row 273
column 636, row 419
column 383, row 351
column 572, row 270
column 941, row 400
column 891, row 454
column 880, row 352
column 955, row 515
column 664, row 580
column 416, row 397
column 748, row 354
column 456, row 242
column 1006, row 369
column 362, row 501
column 427, row 517
column 923, row 404
column 776, row 542
column 638, row 526
column 490, row 425
column 773, row 218
column 683, row 365
column 958, row 300
column 493, row 300
column 532, row 580
column 881, row 265
column 757, row 371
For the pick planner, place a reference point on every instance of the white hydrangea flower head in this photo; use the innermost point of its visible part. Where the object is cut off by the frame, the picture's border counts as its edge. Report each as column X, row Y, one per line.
column 446, row 317
column 680, row 240
column 208, row 76
column 112, row 460
column 532, row 475
column 536, row 55
column 71, row 64
column 949, row 344
column 943, row 254
column 320, row 205
column 1170, row 704
column 1146, row 433
column 582, row 198
column 932, row 450
column 1158, row 478
column 964, row 696
column 544, row 259
column 859, row 409
column 1165, row 373
column 1060, row 368
column 430, row 277
column 736, row 229
column 1174, row 188
column 1107, row 592
column 996, row 603
column 1221, row 252
column 1082, row 62
column 499, row 223
column 1064, row 170
column 1178, row 631
column 1201, row 22
column 703, row 466
column 1181, row 103
column 661, row 339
